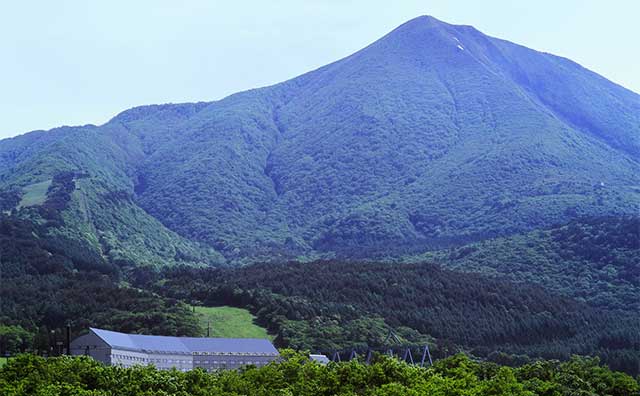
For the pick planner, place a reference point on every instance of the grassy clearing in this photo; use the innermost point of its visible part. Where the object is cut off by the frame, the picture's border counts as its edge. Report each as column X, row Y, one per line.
column 34, row 194
column 230, row 322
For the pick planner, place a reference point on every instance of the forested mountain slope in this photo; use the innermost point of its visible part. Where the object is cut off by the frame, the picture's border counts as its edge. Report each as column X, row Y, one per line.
column 434, row 135
column 596, row 260
column 46, row 283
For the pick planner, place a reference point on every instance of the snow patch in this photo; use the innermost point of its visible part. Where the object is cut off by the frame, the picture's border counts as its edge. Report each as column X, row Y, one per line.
column 459, row 45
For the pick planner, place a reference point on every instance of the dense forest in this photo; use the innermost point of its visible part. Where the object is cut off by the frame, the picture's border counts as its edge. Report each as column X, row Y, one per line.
column 45, row 285
column 591, row 259
column 323, row 306
column 339, row 305
column 296, row 375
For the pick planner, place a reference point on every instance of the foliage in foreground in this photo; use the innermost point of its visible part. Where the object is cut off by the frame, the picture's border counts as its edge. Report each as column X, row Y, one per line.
column 295, row 375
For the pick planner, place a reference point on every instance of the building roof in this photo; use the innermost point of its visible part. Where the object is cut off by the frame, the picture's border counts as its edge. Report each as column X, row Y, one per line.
column 187, row 345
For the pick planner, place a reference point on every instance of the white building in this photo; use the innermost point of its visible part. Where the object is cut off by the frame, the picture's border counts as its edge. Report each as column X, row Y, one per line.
column 183, row 353
column 322, row 359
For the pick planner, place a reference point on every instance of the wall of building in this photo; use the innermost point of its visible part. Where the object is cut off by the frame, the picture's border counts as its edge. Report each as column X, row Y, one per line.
column 163, row 361
column 213, row 361
column 91, row 345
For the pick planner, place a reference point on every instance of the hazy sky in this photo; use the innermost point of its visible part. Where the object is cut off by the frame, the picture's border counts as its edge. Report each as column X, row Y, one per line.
column 78, row 62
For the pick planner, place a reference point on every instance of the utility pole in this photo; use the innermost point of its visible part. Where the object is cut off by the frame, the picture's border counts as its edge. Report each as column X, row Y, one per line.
column 68, row 339
column 1, row 281
column 208, row 328
column 52, row 342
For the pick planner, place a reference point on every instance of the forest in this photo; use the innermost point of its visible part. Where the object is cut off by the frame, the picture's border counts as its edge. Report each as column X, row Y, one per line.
column 337, row 305
column 321, row 306
column 295, row 374
column 44, row 289
column 590, row 259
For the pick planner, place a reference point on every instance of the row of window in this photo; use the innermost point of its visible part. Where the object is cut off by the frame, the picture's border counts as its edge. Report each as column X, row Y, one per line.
column 232, row 354
column 164, row 361
column 149, row 360
column 216, row 362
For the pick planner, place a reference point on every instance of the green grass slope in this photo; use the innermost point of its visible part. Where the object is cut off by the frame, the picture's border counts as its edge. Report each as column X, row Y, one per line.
column 229, row 322
column 34, row 194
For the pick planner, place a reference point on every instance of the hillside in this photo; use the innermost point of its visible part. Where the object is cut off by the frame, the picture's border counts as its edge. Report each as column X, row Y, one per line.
column 509, row 317
column 593, row 260
column 434, row 135
column 46, row 284
column 330, row 306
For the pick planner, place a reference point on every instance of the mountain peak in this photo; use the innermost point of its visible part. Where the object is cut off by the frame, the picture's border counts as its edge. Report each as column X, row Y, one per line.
column 426, row 29
column 419, row 24
column 423, row 20
column 424, row 39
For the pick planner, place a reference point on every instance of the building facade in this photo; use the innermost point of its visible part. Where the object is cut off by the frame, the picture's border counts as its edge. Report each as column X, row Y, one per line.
column 182, row 353
column 322, row 359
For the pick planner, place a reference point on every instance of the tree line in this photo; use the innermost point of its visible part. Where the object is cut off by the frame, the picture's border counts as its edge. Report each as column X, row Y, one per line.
column 296, row 375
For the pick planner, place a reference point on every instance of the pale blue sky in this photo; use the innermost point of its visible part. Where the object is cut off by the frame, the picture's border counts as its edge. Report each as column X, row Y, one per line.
column 76, row 62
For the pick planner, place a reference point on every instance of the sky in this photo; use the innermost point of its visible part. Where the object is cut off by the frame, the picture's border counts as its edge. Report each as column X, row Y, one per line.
column 79, row 62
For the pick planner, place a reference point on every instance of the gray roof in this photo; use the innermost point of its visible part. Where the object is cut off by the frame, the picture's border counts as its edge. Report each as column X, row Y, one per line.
column 188, row 345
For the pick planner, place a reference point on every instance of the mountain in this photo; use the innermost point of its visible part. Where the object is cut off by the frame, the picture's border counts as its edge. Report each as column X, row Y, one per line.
column 435, row 135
